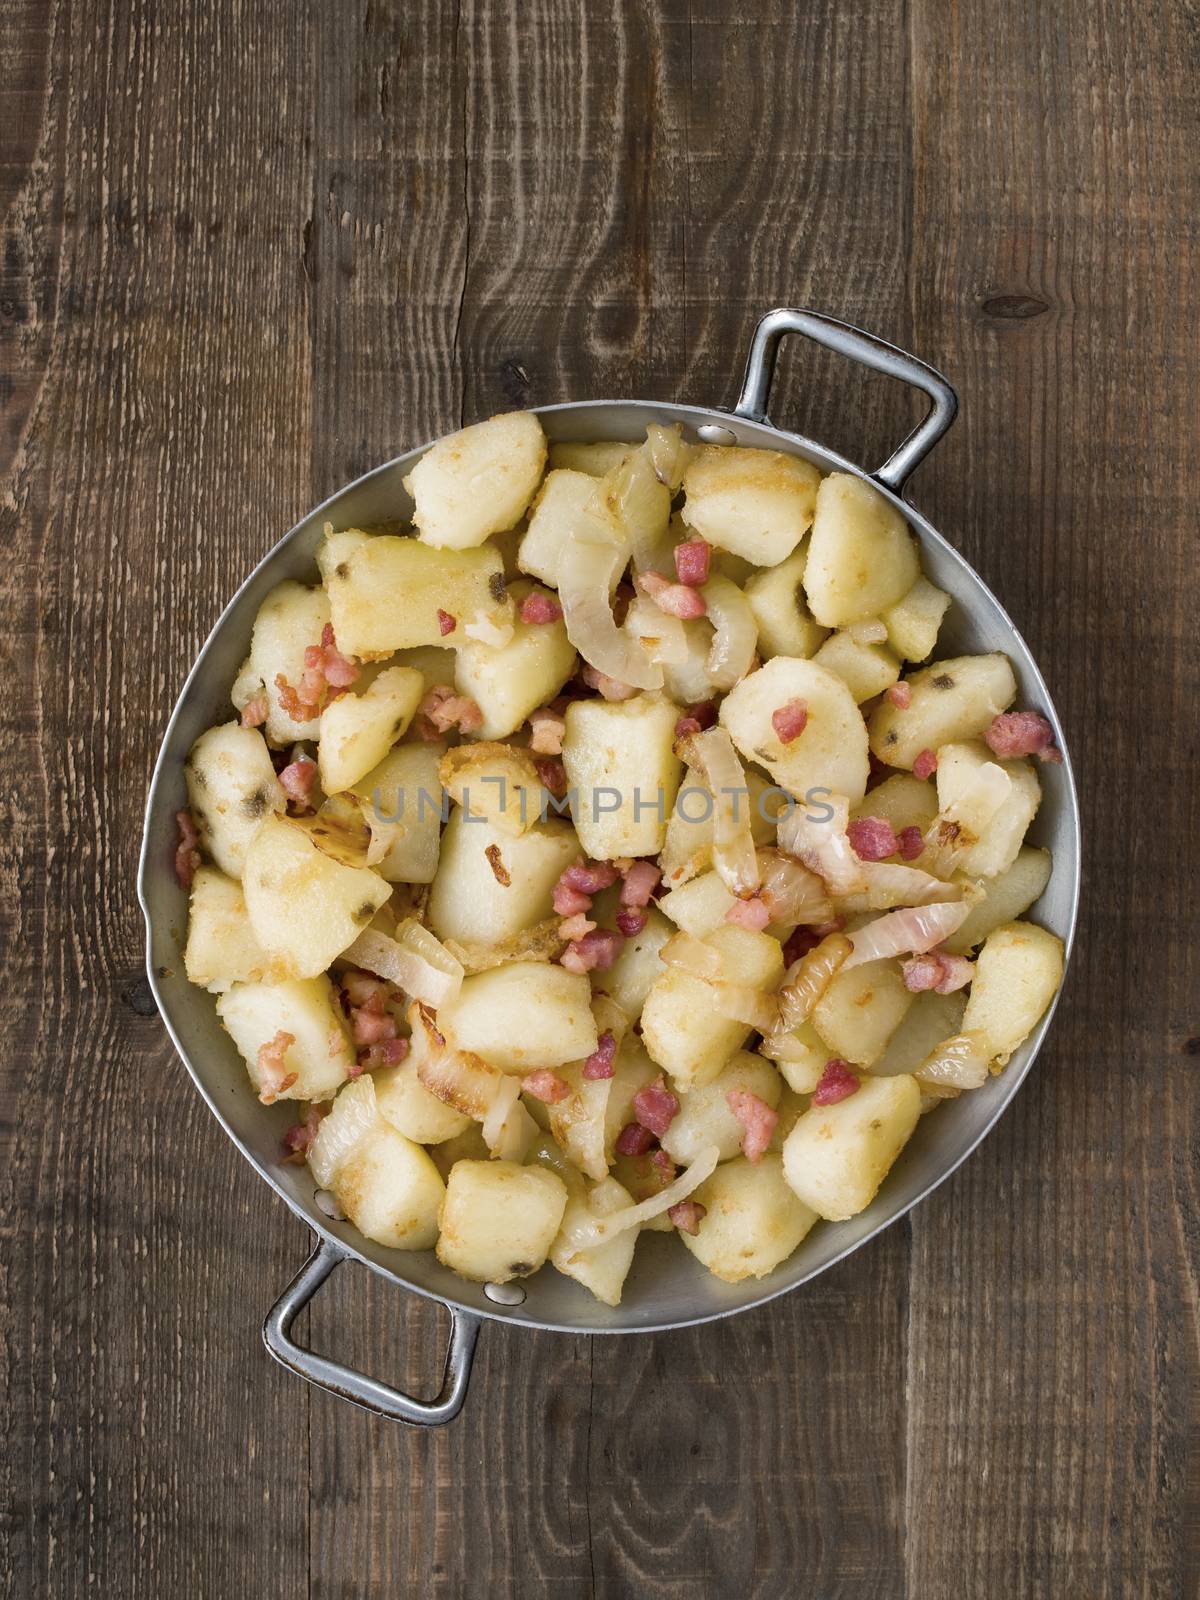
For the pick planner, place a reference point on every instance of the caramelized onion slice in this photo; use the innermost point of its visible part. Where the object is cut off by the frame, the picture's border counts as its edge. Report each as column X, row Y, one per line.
column 731, row 653
column 415, row 959
column 910, row 931
column 586, row 1232
column 821, row 844
column 754, row 1007
column 693, row 956
column 712, row 754
column 584, row 586
column 957, row 828
column 960, row 1062
column 805, row 982
column 353, row 1117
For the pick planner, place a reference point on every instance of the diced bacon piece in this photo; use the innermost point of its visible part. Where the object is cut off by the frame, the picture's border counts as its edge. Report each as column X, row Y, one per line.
column 574, row 928
column 790, row 720
column 925, row 765
column 546, row 1086
column 911, row 842
column 595, row 952
column 600, row 1064
column 687, row 1215
column 339, row 670
column 1022, row 733
column 297, row 703
column 272, row 1068
column 446, row 622
column 634, row 1140
column 641, row 880
column 255, row 711
column 752, row 914
column 553, row 776
column 372, row 1027
column 445, row 709
column 187, row 853
column 297, row 1141
column 538, row 607
column 609, row 688
column 837, row 1082
column 872, row 838
column 298, row 779
column 757, row 1118
column 675, row 599
column 630, row 922
column 938, row 971
column 957, row 972
column 656, row 1107
column 697, row 717
column 570, row 902
column 692, row 561
column 387, row 1053
column 547, row 731
column 900, row 694
column 590, row 877
column 922, row 973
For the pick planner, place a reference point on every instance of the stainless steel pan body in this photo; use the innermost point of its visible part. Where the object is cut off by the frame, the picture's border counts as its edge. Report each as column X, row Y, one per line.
column 667, row 1287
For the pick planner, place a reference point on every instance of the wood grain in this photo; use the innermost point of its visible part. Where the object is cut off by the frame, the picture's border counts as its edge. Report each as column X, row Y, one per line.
column 247, row 254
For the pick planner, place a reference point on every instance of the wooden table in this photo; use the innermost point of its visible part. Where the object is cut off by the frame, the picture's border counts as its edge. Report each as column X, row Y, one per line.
column 251, row 250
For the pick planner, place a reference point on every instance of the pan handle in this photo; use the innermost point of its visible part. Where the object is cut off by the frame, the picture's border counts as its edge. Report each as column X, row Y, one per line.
column 345, row 1382
column 869, row 351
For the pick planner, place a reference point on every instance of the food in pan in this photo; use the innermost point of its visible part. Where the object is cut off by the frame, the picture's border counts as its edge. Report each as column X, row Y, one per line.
column 612, row 852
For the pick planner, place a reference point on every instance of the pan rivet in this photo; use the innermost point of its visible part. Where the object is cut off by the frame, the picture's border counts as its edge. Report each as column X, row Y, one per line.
column 326, row 1203
column 505, row 1294
column 714, row 433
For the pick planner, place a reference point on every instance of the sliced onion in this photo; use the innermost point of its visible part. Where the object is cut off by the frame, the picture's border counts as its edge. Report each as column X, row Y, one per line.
column 911, row 931
column 958, row 827
column 588, row 569
column 542, row 942
column 507, row 1093
column 872, row 631
column 891, row 884
column 456, row 1077
column 583, row 1233
column 668, row 454
column 488, row 631
column 742, row 1004
column 806, row 981
column 415, row 959
column 732, row 650
column 822, row 846
column 718, row 763
column 792, row 893
column 640, row 504
column 960, row 1062
column 353, row 1117
column 693, row 956
column 383, row 836
column 659, row 634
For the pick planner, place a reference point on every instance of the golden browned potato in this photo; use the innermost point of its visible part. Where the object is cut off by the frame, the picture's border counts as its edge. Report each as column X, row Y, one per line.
column 499, row 1219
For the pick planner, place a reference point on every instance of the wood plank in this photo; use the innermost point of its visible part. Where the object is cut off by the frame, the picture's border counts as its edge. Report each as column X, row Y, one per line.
column 1053, row 1397
column 156, row 437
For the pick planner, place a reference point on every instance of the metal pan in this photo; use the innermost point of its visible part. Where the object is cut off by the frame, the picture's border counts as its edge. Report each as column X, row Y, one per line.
column 667, row 1288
